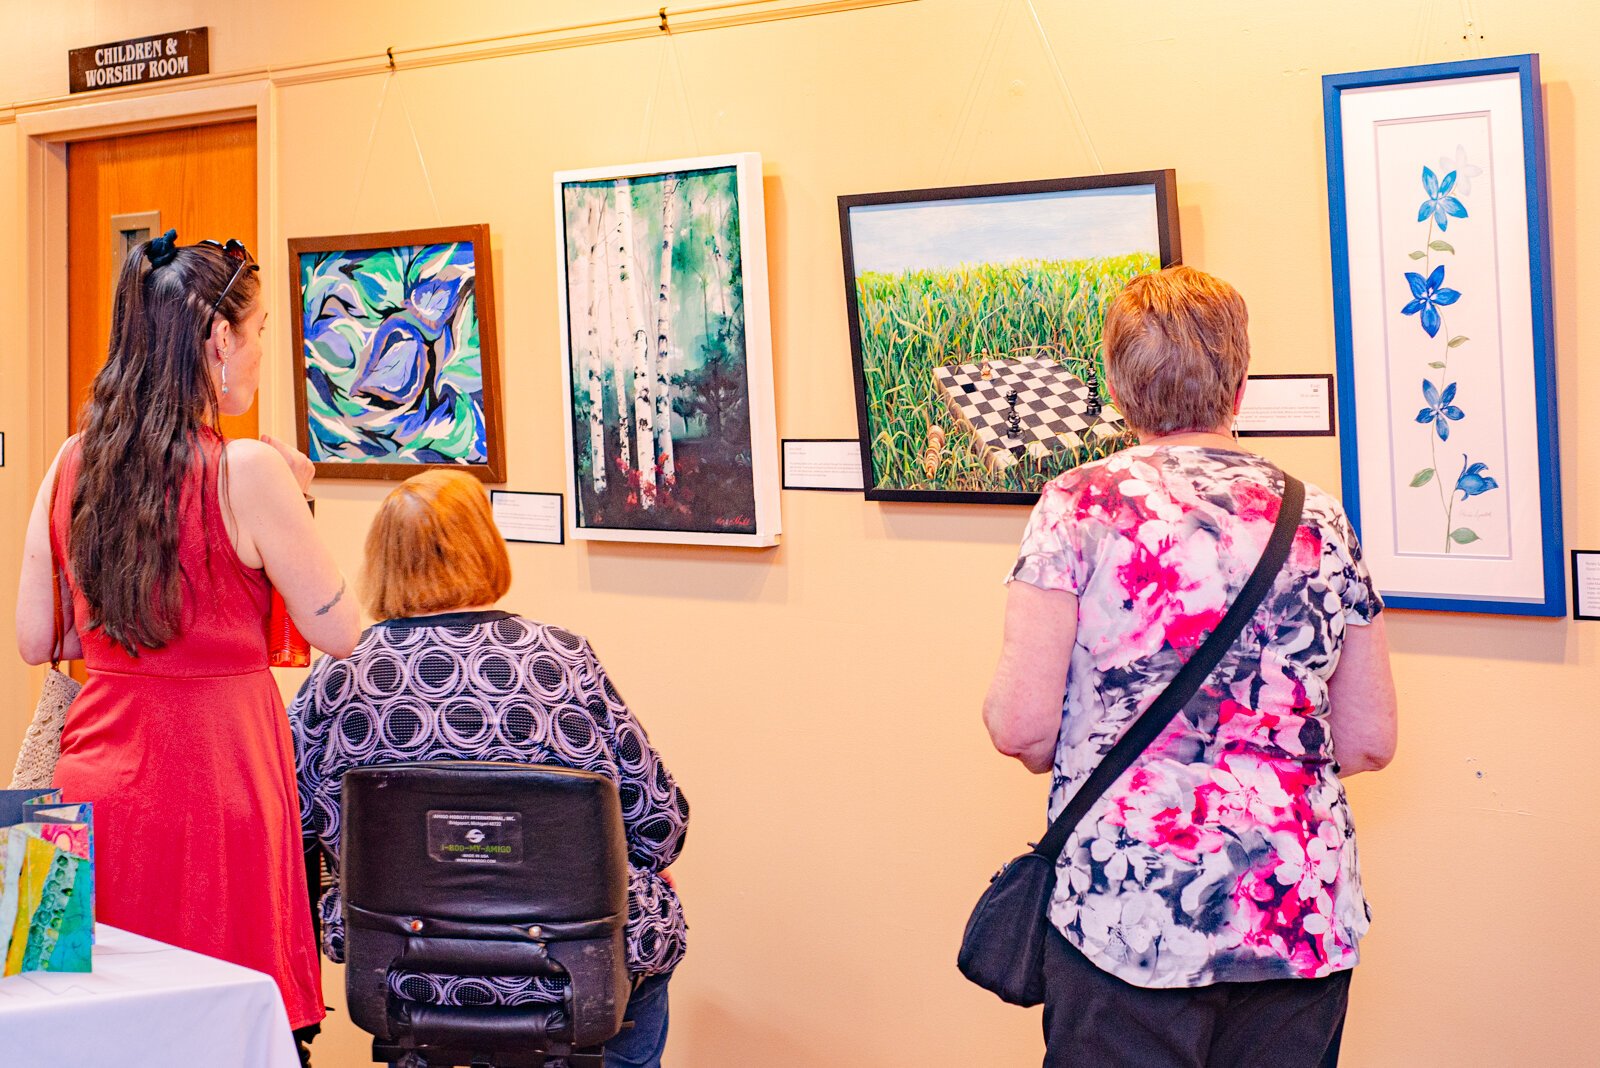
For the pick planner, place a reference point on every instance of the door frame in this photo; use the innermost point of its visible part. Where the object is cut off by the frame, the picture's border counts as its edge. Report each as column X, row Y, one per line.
column 43, row 160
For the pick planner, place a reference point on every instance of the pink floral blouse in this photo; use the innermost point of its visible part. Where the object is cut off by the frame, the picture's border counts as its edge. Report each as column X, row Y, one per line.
column 1227, row 851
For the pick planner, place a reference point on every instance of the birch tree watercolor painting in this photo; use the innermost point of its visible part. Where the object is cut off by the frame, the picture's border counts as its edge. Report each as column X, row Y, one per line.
column 395, row 333
column 668, row 371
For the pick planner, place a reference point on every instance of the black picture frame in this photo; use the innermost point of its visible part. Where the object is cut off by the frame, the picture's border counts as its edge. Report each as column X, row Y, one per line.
column 1164, row 183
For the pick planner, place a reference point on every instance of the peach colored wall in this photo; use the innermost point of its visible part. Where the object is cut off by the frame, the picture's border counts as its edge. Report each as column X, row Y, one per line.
column 819, row 702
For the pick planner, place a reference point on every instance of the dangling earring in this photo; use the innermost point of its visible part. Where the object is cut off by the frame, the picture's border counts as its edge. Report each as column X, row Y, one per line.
column 224, row 377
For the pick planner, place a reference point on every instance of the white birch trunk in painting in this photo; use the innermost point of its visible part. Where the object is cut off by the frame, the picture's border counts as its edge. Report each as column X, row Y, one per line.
column 628, row 279
column 588, row 296
column 723, row 283
column 663, row 420
column 615, row 318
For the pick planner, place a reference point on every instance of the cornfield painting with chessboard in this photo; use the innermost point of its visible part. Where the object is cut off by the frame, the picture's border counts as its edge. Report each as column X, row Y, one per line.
column 976, row 322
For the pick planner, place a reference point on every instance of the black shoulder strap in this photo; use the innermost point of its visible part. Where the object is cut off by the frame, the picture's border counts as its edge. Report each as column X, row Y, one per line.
column 1189, row 679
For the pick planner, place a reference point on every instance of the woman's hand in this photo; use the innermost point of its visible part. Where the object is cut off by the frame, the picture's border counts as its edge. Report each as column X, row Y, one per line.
column 299, row 466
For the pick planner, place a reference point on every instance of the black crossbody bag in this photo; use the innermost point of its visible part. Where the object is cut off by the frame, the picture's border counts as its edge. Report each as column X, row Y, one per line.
column 1003, row 947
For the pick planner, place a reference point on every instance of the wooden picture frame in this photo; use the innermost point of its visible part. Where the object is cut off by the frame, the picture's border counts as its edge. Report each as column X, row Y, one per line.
column 1440, row 225
column 391, row 351
column 673, row 357
column 930, row 430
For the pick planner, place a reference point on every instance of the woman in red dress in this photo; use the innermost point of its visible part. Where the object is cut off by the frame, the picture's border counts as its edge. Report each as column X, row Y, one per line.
column 170, row 540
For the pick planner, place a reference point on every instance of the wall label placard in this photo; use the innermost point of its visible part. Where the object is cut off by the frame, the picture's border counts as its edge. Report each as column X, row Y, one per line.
column 137, row 60
column 529, row 517
column 1286, row 406
column 822, row 464
column 1586, row 584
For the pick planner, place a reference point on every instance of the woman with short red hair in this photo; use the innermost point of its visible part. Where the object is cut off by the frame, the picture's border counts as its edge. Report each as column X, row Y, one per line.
column 1207, row 908
column 446, row 676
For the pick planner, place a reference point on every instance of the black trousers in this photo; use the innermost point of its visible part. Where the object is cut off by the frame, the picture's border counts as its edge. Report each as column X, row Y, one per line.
column 1095, row 1020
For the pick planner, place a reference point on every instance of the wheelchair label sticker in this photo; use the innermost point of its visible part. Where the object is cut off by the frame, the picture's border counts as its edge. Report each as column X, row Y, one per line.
column 475, row 837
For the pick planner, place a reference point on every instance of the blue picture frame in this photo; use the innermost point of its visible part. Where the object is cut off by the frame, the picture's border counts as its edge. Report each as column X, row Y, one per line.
column 1440, row 580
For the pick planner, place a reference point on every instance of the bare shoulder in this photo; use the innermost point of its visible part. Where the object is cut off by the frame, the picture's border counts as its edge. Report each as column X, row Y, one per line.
column 251, row 462
column 65, row 450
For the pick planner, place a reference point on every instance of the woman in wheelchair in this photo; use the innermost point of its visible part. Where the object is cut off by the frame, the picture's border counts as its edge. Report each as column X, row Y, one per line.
column 445, row 676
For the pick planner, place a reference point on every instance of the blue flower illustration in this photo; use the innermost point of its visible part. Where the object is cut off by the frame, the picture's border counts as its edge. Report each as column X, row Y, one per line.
column 1472, row 481
column 1440, row 412
column 1429, row 295
column 1440, row 204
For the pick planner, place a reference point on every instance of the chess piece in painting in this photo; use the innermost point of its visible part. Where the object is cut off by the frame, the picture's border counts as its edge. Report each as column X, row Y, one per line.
column 933, row 450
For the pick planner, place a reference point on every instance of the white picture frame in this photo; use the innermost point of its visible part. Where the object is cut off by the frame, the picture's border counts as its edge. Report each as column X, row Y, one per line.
column 634, row 360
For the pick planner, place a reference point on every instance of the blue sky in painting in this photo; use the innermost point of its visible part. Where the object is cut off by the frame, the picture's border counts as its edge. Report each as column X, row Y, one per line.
column 1071, row 225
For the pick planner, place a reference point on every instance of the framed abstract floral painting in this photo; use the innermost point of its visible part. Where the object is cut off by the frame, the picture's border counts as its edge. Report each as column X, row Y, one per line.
column 1439, row 217
column 394, row 334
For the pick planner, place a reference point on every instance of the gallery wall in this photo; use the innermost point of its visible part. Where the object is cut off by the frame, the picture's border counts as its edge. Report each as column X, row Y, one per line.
column 819, row 701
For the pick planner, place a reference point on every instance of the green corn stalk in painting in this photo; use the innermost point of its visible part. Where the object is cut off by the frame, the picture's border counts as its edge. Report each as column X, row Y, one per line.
column 914, row 321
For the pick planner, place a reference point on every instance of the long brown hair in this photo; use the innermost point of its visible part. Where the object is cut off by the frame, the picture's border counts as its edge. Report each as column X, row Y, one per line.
column 138, row 440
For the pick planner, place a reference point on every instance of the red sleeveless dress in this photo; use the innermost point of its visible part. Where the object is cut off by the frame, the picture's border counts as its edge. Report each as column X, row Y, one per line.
column 186, row 753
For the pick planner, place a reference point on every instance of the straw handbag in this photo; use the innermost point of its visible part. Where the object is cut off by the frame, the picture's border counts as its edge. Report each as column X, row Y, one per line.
column 41, row 746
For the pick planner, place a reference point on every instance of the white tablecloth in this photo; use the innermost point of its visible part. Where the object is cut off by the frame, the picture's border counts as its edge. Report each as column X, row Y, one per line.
column 145, row 1005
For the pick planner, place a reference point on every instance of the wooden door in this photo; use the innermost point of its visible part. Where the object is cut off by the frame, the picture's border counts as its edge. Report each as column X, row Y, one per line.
column 200, row 180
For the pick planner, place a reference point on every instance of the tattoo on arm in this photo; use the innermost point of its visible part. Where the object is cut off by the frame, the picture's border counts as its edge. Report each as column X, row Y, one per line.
column 325, row 609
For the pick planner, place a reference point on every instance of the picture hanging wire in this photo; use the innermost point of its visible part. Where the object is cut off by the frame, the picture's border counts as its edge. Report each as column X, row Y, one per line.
column 969, row 106
column 372, row 140
column 669, row 49
column 984, row 63
column 1066, row 89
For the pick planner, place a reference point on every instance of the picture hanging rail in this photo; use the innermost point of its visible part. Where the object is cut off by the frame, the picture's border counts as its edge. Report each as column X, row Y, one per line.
column 667, row 352
column 398, row 366
column 1439, row 217
column 975, row 315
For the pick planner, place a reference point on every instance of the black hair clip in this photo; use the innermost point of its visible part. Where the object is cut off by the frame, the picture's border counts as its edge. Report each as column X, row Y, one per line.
column 162, row 250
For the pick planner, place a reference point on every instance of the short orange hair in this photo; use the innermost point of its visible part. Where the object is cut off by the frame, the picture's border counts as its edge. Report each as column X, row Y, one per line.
column 1177, row 348
column 434, row 547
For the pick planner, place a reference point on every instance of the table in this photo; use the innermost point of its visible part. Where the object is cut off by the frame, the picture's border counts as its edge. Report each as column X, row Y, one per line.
column 145, row 1005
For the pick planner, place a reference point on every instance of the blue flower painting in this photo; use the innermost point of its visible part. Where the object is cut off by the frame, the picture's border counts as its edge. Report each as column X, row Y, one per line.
column 1429, row 294
column 1472, row 480
column 1440, row 204
column 1439, row 411
column 393, row 365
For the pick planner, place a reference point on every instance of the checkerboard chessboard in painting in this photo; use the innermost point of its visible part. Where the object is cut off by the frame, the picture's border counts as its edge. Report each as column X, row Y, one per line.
column 1053, row 408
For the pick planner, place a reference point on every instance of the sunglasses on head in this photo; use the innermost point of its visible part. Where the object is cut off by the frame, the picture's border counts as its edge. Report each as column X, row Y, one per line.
column 234, row 250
